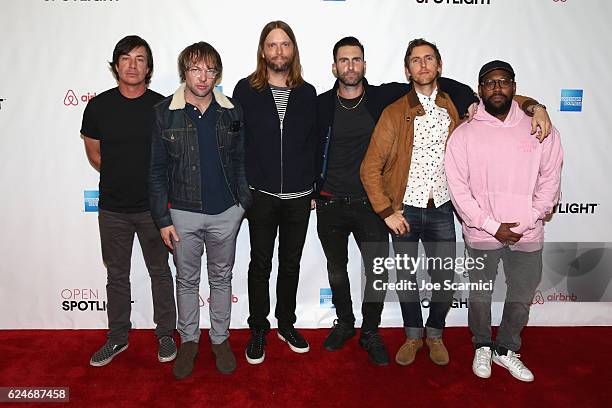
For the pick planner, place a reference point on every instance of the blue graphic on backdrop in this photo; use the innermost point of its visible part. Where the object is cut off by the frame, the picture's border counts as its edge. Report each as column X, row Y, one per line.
column 571, row 100
column 325, row 299
column 91, row 200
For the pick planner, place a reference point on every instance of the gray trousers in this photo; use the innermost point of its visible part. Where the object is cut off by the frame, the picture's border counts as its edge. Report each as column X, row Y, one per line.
column 523, row 271
column 218, row 233
column 117, row 238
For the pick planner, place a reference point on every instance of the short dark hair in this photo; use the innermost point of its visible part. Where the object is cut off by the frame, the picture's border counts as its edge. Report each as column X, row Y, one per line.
column 417, row 43
column 347, row 41
column 124, row 46
column 200, row 51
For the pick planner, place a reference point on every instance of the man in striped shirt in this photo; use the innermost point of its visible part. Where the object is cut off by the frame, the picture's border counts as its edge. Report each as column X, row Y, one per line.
column 279, row 115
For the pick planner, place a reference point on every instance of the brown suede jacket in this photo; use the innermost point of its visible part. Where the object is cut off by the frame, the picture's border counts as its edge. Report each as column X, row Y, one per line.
column 384, row 170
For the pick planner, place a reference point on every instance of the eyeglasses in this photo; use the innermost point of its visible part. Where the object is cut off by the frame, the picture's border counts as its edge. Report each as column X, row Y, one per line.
column 490, row 84
column 197, row 72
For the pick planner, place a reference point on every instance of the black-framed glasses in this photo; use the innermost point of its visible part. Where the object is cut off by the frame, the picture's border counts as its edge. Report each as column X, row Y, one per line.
column 490, row 84
column 197, row 72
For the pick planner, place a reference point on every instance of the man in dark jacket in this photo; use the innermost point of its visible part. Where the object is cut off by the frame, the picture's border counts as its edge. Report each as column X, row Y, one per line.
column 347, row 115
column 197, row 168
column 279, row 116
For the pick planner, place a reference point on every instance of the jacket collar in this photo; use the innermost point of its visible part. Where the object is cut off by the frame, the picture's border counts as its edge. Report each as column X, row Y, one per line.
column 178, row 99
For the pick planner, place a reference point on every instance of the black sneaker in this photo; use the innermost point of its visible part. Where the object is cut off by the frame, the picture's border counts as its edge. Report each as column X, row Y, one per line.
column 373, row 343
column 167, row 349
column 106, row 353
column 255, row 350
column 296, row 342
column 339, row 334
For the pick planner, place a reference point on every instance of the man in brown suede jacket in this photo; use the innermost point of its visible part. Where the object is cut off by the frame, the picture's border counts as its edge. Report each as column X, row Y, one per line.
column 403, row 175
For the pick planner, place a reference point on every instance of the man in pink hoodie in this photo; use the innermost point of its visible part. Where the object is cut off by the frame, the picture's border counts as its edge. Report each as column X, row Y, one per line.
column 503, row 182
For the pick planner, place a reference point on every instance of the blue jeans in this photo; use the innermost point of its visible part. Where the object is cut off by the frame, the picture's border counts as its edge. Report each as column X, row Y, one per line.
column 435, row 228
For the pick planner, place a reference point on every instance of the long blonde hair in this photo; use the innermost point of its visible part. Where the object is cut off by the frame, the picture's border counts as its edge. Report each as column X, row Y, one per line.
column 259, row 79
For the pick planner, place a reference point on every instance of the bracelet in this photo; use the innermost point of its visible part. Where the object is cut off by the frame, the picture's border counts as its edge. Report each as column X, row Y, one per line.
column 537, row 105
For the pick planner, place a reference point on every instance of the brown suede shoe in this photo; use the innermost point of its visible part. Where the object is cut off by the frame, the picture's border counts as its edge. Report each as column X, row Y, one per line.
column 406, row 354
column 224, row 357
column 185, row 359
column 437, row 351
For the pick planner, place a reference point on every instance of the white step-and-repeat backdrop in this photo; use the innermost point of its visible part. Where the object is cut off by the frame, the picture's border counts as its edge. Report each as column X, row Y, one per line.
column 53, row 60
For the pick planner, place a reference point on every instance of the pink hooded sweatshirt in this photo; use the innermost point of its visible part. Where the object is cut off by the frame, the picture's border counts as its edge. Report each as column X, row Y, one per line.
column 498, row 172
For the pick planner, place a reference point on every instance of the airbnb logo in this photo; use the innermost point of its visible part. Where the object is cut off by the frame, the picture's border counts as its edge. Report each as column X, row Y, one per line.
column 203, row 302
column 72, row 100
column 538, row 298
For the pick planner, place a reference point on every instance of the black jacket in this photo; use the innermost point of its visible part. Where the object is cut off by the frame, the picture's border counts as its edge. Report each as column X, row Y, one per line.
column 279, row 160
column 175, row 157
column 378, row 98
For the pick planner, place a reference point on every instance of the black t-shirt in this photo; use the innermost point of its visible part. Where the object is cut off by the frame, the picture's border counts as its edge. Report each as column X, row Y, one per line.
column 352, row 130
column 123, row 126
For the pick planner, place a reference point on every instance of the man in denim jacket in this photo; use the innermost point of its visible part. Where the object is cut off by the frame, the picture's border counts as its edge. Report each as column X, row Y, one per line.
column 198, row 197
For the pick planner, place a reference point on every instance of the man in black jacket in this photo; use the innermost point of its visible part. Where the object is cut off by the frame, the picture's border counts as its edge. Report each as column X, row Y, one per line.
column 197, row 166
column 279, row 116
column 347, row 115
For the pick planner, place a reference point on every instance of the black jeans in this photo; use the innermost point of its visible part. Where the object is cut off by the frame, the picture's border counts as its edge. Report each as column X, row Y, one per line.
column 267, row 215
column 435, row 227
column 336, row 220
column 117, row 238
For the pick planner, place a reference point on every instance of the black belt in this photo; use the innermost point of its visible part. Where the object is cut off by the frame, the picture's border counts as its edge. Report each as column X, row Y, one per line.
column 344, row 200
column 430, row 203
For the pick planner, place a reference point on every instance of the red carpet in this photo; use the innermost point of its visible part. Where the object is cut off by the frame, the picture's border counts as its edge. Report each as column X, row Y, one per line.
column 571, row 368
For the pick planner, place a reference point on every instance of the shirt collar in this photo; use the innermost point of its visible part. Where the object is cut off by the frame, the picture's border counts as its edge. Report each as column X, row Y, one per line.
column 428, row 101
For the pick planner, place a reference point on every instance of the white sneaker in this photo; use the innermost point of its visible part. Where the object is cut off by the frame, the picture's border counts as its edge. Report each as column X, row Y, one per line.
column 516, row 367
column 481, row 366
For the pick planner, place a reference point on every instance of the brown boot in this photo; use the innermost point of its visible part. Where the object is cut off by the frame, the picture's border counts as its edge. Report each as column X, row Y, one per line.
column 406, row 354
column 225, row 360
column 185, row 359
column 437, row 351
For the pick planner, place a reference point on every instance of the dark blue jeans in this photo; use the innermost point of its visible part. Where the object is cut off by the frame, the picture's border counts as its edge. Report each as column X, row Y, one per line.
column 435, row 228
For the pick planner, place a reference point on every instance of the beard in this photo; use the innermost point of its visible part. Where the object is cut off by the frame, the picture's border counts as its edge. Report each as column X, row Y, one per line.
column 281, row 64
column 424, row 81
column 350, row 82
column 496, row 109
column 194, row 90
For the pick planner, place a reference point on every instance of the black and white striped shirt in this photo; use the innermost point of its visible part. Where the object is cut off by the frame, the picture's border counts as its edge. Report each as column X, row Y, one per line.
column 281, row 98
